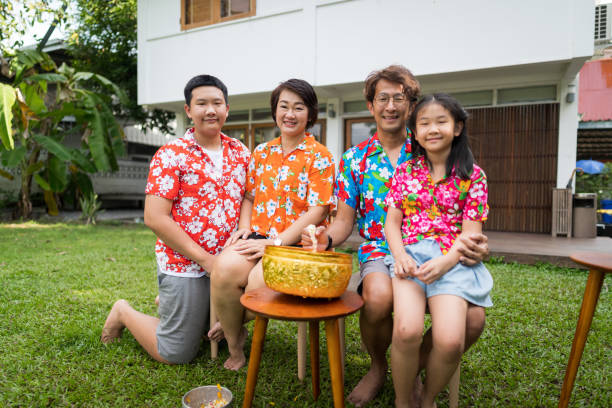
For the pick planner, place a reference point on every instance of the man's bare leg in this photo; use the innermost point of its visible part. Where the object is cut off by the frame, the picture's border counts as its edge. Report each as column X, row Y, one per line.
column 142, row 327
column 228, row 280
column 376, row 326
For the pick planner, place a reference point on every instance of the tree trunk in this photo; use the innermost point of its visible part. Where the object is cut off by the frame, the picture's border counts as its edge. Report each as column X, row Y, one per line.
column 24, row 206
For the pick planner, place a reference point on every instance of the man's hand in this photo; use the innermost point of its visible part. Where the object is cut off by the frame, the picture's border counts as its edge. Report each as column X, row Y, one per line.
column 473, row 249
column 242, row 233
column 433, row 269
column 404, row 266
column 322, row 239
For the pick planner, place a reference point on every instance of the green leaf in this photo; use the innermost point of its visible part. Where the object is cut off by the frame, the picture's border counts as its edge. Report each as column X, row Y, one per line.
column 54, row 147
column 12, row 158
column 58, row 176
column 34, row 167
column 84, row 183
column 33, row 97
column 7, row 100
column 97, row 138
column 41, row 182
column 48, row 77
column 82, row 161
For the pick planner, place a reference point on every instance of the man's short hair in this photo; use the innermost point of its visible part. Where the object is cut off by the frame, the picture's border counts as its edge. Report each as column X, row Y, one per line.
column 393, row 73
column 305, row 91
column 204, row 80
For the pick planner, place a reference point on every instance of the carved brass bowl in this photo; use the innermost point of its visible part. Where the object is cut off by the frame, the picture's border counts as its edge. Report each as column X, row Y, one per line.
column 306, row 273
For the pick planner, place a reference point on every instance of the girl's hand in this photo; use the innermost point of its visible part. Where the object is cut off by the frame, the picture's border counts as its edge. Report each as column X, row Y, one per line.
column 322, row 239
column 236, row 235
column 433, row 269
column 404, row 266
column 253, row 249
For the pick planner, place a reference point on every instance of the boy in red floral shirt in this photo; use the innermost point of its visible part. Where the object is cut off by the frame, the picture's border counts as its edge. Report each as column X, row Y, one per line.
column 194, row 194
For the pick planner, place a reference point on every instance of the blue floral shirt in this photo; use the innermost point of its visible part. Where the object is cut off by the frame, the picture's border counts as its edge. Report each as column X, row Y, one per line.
column 364, row 178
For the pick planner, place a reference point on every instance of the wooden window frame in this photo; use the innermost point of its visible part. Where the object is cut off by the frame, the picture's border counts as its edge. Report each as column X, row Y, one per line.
column 347, row 129
column 216, row 15
column 247, row 132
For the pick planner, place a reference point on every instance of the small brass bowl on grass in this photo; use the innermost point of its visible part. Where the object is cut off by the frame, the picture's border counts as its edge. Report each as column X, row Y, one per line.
column 206, row 394
column 301, row 272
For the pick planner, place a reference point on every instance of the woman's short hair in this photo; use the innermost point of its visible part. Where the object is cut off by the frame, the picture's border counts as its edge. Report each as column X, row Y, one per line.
column 305, row 91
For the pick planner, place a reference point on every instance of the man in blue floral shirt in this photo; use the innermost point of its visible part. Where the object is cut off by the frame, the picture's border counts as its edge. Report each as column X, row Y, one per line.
column 364, row 178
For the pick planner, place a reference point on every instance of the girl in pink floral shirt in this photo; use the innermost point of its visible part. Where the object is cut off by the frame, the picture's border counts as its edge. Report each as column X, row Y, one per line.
column 436, row 196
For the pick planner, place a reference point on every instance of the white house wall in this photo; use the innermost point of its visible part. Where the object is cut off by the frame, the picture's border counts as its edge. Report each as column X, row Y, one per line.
column 450, row 45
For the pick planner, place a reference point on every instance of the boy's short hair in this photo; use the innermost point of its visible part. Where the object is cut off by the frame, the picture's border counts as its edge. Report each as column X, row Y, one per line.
column 204, row 80
column 393, row 73
column 305, row 91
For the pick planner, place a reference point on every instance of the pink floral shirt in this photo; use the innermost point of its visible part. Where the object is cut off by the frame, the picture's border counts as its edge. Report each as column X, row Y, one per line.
column 436, row 210
column 206, row 206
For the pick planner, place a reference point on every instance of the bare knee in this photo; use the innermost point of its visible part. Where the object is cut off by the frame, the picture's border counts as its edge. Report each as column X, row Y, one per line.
column 228, row 270
column 407, row 337
column 378, row 302
column 449, row 347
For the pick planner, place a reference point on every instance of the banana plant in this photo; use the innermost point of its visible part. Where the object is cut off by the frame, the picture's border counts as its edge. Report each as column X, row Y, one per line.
column 34, row 108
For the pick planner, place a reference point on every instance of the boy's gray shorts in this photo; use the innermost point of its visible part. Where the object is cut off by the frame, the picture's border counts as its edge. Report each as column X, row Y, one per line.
column 184, row 316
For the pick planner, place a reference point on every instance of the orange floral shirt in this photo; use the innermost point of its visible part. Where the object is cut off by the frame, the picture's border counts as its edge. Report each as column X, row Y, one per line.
column 284, row 187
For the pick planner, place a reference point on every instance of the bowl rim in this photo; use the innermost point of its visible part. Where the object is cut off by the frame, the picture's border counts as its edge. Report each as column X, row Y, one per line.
column 231, row 395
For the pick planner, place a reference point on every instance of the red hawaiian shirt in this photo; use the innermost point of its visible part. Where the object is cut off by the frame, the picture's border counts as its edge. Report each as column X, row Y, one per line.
column 436, row 210
column 205, row 207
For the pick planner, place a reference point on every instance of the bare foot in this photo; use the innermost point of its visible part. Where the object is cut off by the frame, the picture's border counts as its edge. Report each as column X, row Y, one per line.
column 113, row 327
column 237, row 360
column 216, row 333
column 157, row 300
column 368, row 387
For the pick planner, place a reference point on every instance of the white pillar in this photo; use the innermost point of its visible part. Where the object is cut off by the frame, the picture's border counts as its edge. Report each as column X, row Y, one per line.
column 334, row 133
column 568, row 130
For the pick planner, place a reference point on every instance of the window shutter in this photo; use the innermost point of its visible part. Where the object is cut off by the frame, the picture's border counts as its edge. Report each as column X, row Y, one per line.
column 602, row 24
column 198, row 11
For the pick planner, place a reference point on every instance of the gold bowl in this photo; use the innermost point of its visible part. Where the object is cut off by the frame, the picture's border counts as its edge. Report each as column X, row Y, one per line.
column 301, row 272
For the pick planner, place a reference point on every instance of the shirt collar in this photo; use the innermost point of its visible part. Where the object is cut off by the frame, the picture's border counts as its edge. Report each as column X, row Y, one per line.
column 226, row 141
column 374, row 146
column 305, row 144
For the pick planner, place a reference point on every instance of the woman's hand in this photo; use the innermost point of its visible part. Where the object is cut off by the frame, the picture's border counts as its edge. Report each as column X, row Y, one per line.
column 322, row 239
column 404, row 265
column 473, row 249
column 242, row 233
column 252, row 249
column 433, row 269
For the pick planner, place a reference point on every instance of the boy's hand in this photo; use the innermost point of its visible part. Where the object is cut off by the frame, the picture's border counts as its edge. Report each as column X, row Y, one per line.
column 404, row 266
column 322, row 239
column 433, row 269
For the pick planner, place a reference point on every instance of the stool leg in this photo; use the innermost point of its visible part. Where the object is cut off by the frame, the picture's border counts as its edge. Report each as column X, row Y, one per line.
column 342, row 343
column 301, row 350
column 589, row 301
column 259, row 335
column 333, row 350
column 453, row 388
column 313, row 329
column 214, row 346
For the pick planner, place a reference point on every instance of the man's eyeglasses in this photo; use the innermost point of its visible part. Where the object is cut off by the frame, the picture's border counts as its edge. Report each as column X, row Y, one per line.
column 383, row 99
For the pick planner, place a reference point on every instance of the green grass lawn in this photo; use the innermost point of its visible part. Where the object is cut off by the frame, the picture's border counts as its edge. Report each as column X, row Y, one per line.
column 58, row 282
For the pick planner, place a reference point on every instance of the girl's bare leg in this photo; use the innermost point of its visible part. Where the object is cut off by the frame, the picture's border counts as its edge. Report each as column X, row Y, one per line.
column 408, row 321
column 448, row 317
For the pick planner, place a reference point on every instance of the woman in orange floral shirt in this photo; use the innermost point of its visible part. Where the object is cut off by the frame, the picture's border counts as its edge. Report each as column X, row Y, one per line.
column 289, row 186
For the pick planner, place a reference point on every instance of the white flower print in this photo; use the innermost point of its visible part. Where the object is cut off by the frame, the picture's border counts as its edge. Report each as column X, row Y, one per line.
column 165, row 184
column 191, row 178
column 303, row 177
column 313, row 198
column 301, row 192
column 385, row 173
column 271, row 207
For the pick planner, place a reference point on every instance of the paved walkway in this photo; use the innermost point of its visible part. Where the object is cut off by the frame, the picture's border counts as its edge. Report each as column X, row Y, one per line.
column 513, row 247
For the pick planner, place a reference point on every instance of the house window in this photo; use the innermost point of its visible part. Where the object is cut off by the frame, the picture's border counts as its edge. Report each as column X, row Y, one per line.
column 196, row 13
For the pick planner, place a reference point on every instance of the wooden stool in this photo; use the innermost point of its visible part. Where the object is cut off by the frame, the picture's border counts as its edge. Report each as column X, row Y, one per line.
column 267, row 304
column 599, row 264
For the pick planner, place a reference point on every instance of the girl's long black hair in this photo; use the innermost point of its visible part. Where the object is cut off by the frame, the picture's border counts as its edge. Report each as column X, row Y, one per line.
column 461, row 156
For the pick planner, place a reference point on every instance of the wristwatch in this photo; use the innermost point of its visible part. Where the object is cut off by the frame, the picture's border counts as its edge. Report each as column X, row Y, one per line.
column 278, row 242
